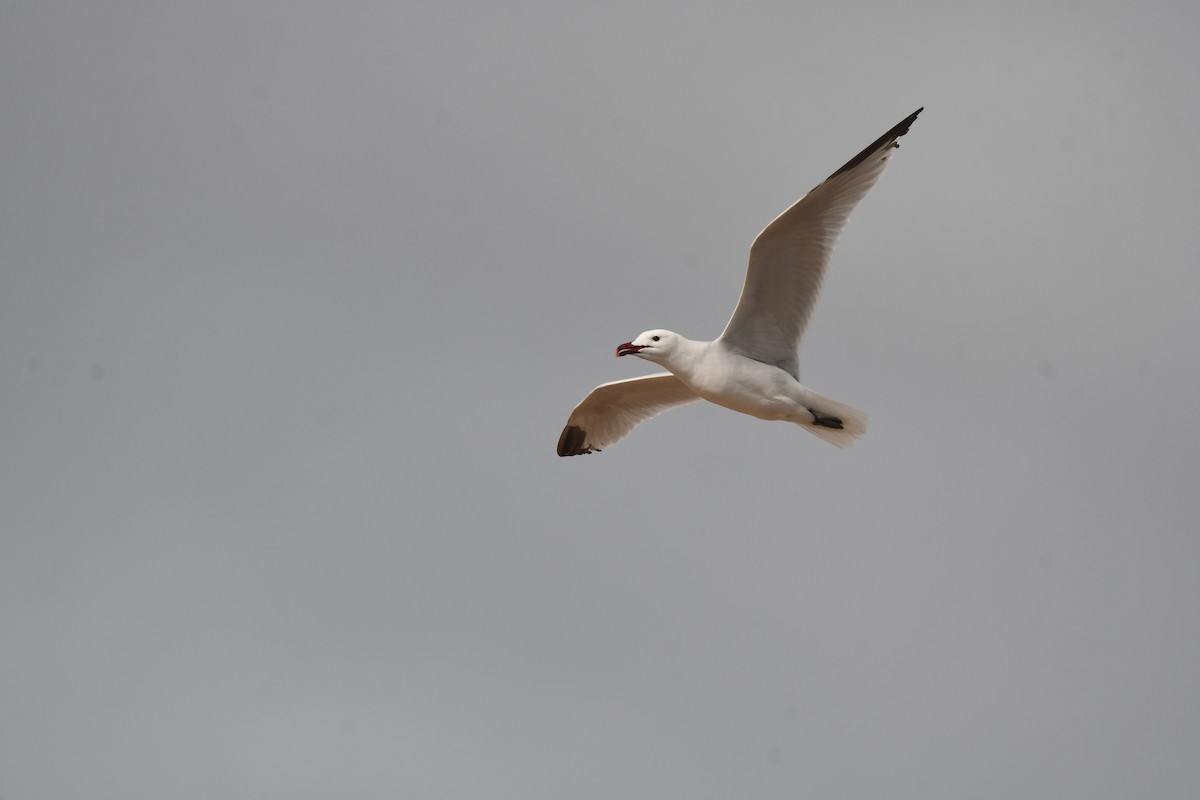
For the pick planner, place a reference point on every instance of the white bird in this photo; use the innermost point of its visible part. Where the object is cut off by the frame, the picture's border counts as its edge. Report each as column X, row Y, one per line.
column 752, row 366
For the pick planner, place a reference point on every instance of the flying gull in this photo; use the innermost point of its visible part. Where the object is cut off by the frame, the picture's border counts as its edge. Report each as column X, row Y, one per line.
column 752, row 366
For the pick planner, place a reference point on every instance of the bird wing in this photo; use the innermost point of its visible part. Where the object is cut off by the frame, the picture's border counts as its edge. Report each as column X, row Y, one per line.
column 788, row 259
column 612, row 410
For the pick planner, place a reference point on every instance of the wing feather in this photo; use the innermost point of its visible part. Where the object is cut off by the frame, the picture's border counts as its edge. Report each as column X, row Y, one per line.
column 789, row 257
column 612, row 410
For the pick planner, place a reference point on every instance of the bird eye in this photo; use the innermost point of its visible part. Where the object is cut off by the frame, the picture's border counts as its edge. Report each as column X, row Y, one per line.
column 654, row 338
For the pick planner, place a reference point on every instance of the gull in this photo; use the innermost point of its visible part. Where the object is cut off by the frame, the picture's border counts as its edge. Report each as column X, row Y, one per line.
column 752, row 367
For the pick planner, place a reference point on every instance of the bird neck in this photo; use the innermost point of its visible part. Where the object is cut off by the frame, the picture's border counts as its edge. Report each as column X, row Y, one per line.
column 685, row 356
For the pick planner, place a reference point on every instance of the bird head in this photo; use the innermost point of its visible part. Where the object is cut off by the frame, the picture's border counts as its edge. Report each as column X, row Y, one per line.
column 655, row 345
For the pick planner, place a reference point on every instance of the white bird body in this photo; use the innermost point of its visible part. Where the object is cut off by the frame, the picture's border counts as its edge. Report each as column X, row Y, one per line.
column 752, row 367
column 719, row 375
column 716, row 372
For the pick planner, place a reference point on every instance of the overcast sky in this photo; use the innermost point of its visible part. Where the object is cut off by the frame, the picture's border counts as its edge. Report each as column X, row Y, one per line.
column 295, row 299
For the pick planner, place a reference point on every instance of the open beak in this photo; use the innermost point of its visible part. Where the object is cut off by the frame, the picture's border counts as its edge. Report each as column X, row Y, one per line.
column 628, row 349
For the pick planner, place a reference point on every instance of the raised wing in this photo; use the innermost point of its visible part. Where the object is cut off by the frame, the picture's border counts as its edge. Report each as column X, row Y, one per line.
column 612, row 410
column 788, row 259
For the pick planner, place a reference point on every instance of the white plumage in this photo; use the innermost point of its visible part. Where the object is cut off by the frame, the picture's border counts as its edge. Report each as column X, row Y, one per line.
column 752, row 367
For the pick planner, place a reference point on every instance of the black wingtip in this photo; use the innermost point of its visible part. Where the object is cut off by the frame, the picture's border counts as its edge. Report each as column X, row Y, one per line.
column 888, row 139
column 571, row 442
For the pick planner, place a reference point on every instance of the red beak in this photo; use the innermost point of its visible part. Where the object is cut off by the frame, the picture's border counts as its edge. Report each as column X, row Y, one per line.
column 628, row 349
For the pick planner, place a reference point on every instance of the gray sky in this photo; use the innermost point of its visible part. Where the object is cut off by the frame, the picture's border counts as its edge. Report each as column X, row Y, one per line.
column 295, row 299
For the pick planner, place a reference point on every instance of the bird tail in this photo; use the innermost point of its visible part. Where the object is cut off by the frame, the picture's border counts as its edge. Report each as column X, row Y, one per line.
column 836, row 423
